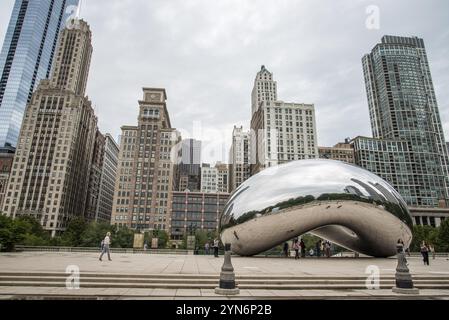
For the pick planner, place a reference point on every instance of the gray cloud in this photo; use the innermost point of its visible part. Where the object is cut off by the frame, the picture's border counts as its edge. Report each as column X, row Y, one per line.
column 206, row 54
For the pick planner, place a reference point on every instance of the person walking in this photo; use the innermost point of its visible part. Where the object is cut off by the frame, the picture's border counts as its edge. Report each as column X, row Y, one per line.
column 216, row 244
column 106, row 243
column 425, row 253
column 206, row 248
column 296, row 247
column 285, row 249
column 302, row 245
column 327, row 249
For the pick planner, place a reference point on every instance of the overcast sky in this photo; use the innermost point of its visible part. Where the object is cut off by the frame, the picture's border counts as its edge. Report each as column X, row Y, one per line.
column 207, row 53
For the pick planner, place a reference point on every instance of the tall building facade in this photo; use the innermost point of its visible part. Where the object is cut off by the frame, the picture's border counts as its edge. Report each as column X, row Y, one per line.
column 239, row 158
column 192, row 211
column 282, row 132
column 222, row 177
column 6, row 160
column 209, row 179
column 215, row 179
column 144, row 180
column 26, row 58
column 52, row 164
column 343, row 151
column 188, row 171
column 404, row 111
column 107, row 180
column 264, row 90
column 93, row 189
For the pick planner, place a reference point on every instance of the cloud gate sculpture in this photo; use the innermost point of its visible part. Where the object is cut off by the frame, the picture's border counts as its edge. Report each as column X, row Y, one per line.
column 339, row 202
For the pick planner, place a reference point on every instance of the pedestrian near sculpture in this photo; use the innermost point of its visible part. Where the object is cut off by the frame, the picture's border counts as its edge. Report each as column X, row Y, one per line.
column 425, row 253
column 216, row 244
column 327, row 249
column 106, row 243
column 296, row 247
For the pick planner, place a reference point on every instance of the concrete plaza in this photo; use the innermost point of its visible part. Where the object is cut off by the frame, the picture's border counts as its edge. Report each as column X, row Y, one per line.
column 193, row 264
column 165, row 266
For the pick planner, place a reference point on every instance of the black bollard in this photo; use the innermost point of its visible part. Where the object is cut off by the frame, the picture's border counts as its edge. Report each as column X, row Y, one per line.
column 227, row 276
column 404, row 282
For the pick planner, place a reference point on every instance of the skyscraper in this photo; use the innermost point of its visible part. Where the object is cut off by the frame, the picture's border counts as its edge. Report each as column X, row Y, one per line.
column 265, row 89
column 52, row 164
column 26, row 58
column 93, row 189
column 239, row 158
column 144, row 181
column 188, row 171
column 280, row 131
column 107, row 182
column 404, row 111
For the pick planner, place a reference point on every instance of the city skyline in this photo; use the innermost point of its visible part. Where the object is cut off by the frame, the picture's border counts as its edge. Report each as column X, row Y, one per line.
column 214, row 59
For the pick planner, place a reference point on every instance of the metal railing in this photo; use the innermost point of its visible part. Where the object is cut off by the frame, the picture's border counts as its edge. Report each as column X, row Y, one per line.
column 91, row 249
column 269, row 253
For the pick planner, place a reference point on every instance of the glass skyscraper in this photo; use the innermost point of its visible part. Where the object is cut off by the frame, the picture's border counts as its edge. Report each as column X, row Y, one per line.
column 26, row 57
column 404, row 111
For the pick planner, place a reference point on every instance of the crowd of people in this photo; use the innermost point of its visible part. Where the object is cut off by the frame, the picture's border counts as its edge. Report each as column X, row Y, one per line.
column 322, row 248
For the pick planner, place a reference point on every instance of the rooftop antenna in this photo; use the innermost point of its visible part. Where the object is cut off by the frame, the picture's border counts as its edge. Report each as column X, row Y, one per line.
column 78, row 10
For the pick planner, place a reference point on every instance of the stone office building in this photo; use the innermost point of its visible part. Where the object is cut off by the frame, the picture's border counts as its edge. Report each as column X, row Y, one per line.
column 52, row 164
column 144, row 180
column 191, row 211
column 280, row 131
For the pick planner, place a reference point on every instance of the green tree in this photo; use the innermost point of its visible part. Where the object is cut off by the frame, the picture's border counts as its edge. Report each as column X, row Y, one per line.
column 9, row 235
column 72, row 237
column 443, row 236
column 122, row 237
column 162, row 236
column 94, row 233
column 428, row 234
column 24, row 230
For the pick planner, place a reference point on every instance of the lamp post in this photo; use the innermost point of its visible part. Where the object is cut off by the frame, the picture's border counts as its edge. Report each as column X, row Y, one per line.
column 227, row 276
column 404, row 282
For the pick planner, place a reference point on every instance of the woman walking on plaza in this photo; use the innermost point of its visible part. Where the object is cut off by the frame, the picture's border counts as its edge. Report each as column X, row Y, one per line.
column 106, row 243
column 296, row 247
column 327, row 249
column 425, row 253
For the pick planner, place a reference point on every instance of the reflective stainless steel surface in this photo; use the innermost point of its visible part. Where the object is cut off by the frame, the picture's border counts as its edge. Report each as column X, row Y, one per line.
column 342, row 203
